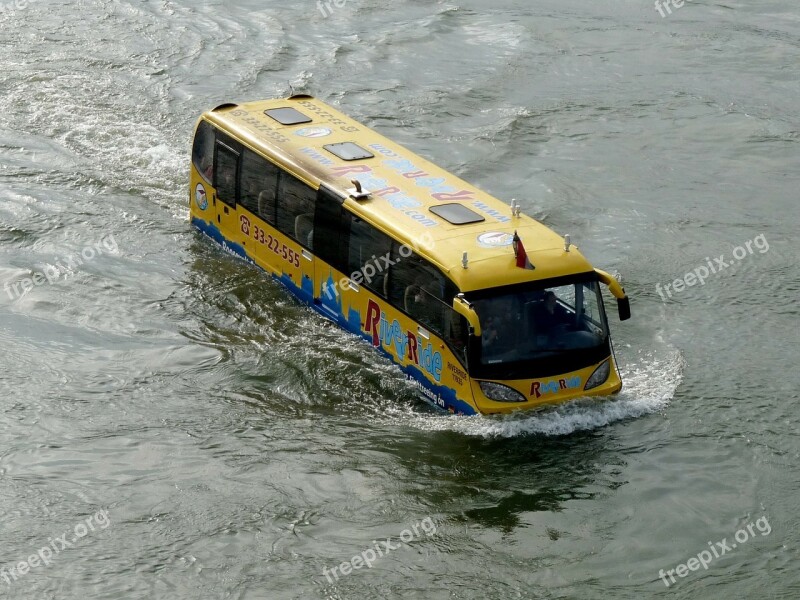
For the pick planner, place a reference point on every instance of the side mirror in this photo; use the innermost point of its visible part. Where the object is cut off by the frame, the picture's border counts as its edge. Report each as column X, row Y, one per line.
column 465, row 309
column 623, row 304
column 624, row 308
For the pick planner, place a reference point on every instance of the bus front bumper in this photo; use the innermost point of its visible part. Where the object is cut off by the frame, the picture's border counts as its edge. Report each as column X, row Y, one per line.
column 492, row 398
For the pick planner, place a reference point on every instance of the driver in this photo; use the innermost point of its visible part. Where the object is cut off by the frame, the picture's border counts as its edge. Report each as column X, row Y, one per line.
column 554, row 317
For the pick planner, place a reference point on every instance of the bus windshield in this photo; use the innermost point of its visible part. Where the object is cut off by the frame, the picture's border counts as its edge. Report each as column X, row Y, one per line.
column 540, row 323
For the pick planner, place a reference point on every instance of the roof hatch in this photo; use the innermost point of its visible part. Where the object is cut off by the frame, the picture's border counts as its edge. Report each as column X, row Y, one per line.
column 348, row 151
column 287, row 116
column 457, row 214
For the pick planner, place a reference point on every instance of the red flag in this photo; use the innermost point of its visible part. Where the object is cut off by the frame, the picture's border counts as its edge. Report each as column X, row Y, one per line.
column 519, row 252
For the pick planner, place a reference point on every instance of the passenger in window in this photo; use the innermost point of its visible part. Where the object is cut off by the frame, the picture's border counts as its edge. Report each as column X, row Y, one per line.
column 304, row 229
column 553, row 318
column 266, row 205
column 499, row 330
column 421, row 303
column 208, row 168
column 227, row 176
column 456, row 332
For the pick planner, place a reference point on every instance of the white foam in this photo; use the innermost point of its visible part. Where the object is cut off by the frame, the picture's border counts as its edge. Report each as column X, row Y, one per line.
column 649, row 385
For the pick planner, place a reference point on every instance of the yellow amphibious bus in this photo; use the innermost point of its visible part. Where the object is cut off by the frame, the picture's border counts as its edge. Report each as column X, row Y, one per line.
column 485, row 309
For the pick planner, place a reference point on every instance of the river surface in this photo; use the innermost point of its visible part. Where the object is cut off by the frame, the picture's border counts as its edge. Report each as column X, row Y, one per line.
column 173, row 425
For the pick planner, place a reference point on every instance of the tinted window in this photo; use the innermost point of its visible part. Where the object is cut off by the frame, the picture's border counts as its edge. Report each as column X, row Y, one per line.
column 424, row 293
column 536, row 323
column 367, row 247
column 332, row 229
column 296, row 209
column 456, row 333
column 259, row 185
column 225, row 178
column 203, row 150
column 418, row 288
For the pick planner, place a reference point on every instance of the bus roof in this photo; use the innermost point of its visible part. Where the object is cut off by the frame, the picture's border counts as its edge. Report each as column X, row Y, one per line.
column 408, row 194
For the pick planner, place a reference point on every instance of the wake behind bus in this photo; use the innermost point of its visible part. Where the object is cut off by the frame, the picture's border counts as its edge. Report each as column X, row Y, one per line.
column 485, row 309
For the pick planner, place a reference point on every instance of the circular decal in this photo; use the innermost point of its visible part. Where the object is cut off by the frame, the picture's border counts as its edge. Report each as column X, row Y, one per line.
column 313, row 132
column 200, row 197
column 495, row 239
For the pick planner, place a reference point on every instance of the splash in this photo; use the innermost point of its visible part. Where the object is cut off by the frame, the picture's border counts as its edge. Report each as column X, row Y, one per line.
column 649, row 385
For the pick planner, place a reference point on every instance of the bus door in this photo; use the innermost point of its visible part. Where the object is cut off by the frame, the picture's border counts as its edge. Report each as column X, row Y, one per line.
column 331, row 234
column 226, row 171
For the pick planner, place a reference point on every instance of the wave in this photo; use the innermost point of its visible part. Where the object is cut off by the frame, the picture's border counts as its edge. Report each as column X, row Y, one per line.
column 649, row 385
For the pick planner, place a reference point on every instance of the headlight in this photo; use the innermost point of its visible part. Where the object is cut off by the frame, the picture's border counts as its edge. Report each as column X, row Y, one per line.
column 599, row 376
column 501, row 393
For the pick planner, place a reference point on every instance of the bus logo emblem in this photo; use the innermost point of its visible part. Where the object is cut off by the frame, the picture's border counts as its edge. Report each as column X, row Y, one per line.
column 200, row 197
column 538, row 388
column 495, row 239
column 313, row 132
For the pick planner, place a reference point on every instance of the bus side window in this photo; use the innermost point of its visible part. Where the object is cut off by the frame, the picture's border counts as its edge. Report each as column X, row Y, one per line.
column 367, row 246
column 259, row 185
column 418, row 289
column 203, row 150
column 456, row 333
column 226, row 165
column 331, row 229
column 296, row 209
